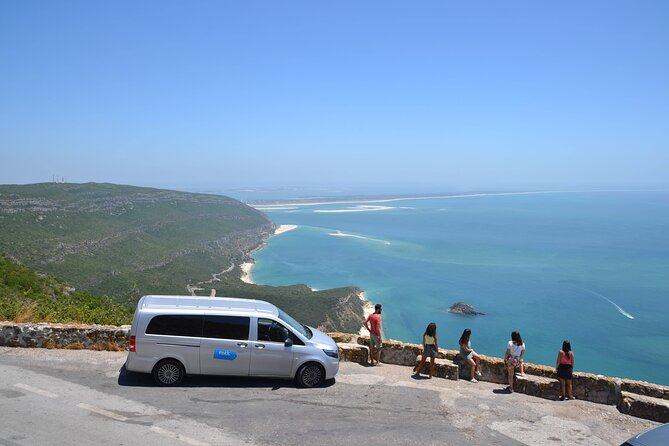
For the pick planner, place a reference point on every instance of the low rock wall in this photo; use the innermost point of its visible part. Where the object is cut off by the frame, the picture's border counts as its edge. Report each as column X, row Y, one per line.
column 653, row 404
column 586, row 386
column 67, row 336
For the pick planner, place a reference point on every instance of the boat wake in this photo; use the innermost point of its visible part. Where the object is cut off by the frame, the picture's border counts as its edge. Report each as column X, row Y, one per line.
column 618, row 307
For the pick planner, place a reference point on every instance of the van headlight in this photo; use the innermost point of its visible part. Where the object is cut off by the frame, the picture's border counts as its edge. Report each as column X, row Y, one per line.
column 331, row 353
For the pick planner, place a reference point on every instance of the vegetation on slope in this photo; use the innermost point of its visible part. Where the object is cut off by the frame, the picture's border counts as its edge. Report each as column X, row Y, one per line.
column 26, row 296
column 125, row 242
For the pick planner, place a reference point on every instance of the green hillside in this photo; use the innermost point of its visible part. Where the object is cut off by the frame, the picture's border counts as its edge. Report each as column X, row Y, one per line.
column 124, row 242
column 26, row 296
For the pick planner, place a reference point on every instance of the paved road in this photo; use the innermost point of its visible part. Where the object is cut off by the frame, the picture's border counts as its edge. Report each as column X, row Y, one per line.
column 79, row 397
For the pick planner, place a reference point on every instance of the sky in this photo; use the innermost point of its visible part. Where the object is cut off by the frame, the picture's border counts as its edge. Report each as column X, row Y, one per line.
column 406, row 96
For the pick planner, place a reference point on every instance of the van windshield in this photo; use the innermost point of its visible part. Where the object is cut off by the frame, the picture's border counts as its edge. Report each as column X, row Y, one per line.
column 302, row 329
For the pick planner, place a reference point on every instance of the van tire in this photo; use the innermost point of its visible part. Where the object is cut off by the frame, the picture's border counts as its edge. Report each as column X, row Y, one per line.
column 310, row 374
column 168, row 373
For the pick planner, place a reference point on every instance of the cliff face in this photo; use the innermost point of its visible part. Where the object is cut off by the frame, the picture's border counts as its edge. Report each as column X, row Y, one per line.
column 348, row 314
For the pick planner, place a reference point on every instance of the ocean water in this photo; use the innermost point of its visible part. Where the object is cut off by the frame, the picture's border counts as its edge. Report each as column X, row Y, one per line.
column 592, row 268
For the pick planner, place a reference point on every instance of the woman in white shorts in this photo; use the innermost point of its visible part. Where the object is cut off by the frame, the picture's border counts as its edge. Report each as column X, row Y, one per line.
column 513, row 358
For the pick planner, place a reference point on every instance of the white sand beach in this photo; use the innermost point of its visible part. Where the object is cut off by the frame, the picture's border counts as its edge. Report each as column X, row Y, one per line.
column 246, row 272
column 248, row 266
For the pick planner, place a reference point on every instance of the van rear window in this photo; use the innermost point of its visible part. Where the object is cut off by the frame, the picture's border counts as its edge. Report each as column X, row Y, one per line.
column 227, row 327
column 176, row 325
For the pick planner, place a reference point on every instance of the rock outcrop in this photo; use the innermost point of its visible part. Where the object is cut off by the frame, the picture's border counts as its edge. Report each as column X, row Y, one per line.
column 463, row 309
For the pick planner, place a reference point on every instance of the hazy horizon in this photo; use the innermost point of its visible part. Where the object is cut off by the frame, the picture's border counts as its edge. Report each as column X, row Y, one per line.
column 437, row 97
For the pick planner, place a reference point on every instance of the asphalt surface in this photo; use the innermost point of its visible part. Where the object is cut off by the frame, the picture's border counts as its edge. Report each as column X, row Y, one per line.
column 63, row 397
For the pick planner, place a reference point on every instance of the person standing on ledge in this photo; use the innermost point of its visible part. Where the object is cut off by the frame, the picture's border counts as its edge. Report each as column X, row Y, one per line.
column 564, row 368
column 373, row 324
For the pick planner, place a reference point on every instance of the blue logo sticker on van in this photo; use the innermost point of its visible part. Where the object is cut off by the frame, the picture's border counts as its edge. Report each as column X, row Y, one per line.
column 228, row 355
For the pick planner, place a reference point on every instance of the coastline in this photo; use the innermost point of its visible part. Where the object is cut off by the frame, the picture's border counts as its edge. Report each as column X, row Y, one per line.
column 296, row 203
column 247, row 267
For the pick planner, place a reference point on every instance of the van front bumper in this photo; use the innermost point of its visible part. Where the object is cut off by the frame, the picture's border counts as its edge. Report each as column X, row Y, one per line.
column 331, row 368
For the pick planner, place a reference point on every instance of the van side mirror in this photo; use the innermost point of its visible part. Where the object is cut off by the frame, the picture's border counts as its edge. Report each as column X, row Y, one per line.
column 288, row 342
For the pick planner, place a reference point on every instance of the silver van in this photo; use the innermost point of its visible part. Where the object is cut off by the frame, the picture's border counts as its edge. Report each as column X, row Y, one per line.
column 174, row 336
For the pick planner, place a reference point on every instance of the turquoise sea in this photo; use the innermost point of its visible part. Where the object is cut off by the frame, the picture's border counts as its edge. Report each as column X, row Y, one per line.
column 591, row 267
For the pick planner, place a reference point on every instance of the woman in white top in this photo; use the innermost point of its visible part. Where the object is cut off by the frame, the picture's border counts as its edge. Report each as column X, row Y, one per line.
column 513, row 358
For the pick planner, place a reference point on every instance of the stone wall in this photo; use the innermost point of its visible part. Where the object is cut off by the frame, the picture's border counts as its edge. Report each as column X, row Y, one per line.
column 636, row 398
column 67, row 336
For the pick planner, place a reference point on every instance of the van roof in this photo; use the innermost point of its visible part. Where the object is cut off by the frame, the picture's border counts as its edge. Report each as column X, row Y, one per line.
column 207, row 303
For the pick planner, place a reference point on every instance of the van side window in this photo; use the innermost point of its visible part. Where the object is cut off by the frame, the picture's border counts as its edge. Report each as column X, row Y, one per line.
column 227, row 327
column 272, row 331
column 176, row 325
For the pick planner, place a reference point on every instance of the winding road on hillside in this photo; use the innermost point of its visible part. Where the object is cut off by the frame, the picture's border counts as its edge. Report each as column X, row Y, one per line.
column 84, row 397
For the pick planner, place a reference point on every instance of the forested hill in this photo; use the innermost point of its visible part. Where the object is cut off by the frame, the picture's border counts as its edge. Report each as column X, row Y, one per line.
column 124, row 242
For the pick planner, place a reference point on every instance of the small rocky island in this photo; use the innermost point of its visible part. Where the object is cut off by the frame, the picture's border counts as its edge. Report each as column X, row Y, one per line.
column 464, row 309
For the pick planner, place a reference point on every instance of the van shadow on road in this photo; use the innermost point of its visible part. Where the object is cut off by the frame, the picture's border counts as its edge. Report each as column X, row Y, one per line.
column 132, row 379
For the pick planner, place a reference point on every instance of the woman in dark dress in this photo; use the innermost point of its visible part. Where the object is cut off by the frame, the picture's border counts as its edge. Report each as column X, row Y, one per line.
column 565, row 368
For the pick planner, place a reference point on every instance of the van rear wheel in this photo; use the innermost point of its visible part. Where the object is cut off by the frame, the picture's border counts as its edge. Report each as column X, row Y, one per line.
column 310, row 375
column 168, row 372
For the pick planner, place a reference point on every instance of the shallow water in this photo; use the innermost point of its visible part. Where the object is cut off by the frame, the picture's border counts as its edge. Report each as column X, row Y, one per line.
column 589, row 267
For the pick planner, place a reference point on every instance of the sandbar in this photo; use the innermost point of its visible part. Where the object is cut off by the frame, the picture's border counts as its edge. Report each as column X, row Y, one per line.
column 284, row 228
column 356, row 209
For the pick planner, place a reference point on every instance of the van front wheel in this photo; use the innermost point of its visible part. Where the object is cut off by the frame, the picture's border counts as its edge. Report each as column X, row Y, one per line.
column 168, row 372
column 310, row 375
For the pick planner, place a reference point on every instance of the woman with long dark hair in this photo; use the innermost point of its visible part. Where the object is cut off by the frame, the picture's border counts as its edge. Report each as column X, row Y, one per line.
column 513, row 358
column 564, row 368
column 430, row 349
column 470, row 356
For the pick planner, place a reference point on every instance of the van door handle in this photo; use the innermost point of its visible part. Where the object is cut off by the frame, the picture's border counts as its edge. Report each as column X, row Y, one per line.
column 260, row 345
column 242, row 344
